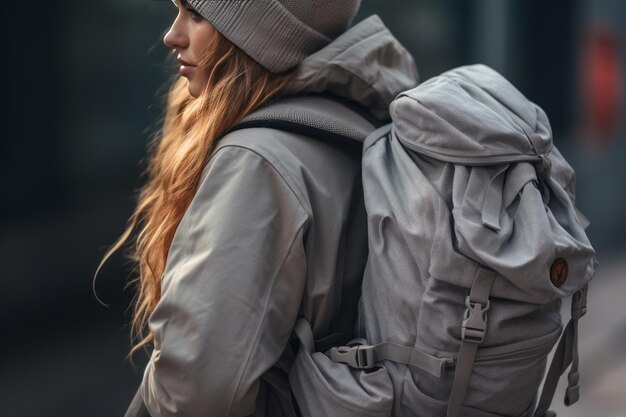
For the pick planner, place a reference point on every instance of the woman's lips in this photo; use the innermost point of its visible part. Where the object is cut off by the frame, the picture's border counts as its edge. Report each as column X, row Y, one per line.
column 186, row 70
column 185, row 67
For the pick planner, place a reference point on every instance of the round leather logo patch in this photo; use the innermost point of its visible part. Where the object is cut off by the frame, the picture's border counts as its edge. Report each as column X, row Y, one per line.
column 558, row 272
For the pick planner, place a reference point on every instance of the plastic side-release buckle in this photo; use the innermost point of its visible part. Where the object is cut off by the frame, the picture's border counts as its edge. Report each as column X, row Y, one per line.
column 359, row 357
column 474, row 325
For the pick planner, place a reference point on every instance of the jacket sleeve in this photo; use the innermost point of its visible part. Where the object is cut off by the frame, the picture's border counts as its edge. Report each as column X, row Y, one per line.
column 231, row 290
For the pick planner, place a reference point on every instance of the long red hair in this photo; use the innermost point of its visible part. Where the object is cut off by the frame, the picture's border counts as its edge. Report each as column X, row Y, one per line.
column 178, row 152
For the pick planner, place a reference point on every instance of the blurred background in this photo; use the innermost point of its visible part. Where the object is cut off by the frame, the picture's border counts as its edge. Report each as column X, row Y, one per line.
column 85, row 80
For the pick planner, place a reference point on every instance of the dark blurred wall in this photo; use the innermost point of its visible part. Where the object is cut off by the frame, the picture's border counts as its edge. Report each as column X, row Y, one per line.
column 85, row 80
column 83, row 77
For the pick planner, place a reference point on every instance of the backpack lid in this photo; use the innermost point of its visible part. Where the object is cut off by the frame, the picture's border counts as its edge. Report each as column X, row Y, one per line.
column 471, row 115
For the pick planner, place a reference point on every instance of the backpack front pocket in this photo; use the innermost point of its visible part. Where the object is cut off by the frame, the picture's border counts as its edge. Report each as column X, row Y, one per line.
column 442, row 311
column 323, row 388
column 503, row 383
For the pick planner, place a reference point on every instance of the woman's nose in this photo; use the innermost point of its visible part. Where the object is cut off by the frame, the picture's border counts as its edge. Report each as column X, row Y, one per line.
column 175, row 38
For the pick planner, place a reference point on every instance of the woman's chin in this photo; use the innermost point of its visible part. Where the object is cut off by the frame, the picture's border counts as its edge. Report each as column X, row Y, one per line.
column 193, row 88
column 194, row 91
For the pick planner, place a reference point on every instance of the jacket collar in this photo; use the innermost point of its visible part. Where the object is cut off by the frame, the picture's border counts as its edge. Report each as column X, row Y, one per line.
column 366, row 64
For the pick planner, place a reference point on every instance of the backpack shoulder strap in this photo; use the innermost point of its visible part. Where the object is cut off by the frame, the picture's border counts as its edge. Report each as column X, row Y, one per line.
column 318, row 116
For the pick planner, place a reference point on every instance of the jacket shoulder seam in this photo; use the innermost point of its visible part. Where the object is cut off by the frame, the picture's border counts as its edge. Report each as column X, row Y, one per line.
column 278, row 172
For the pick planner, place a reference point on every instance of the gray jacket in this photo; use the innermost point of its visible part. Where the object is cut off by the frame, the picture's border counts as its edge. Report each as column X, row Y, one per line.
column 277, row 229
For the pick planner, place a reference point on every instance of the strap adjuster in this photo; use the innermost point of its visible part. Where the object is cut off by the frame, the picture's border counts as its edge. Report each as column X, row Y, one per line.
column 474, row 325
column 579, row 303
column 359, row 357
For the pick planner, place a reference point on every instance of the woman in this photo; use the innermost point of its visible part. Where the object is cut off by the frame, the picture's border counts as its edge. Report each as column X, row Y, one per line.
column 242, row 232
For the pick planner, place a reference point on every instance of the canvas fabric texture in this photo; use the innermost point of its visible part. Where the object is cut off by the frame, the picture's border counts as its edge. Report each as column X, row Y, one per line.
column 464, row 183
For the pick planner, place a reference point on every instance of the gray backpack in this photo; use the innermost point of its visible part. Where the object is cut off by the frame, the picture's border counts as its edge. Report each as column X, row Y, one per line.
column 474, row 239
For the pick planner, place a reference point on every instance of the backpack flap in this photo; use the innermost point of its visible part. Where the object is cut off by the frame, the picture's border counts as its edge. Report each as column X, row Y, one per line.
column 511, row 199
column 501, row 221
column 471, row 115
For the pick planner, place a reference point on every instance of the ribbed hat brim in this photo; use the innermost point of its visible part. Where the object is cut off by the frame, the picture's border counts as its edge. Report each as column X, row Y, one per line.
column 263, row 29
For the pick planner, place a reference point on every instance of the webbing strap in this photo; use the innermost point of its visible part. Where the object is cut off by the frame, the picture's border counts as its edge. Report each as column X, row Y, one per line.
column 492, row 205
column 364, row 356
column 566, row 353
column 462, row 373
column 303, row 331
column 411, row 356
column 546, row 165
column 528, row 131
column 472, row 334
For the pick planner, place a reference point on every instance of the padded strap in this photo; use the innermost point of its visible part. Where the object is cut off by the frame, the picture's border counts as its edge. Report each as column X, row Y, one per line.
column 566, row 353
column 473, row 333
column 319, row 116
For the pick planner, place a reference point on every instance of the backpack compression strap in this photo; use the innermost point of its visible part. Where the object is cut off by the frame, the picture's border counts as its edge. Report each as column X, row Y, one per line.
column 474, row 327
column 360, row 355
column 566, row 353
column 473, row 332
column 364, row 356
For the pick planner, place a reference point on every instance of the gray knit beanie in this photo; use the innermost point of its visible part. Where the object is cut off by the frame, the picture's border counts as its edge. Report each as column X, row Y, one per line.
column 278, row 34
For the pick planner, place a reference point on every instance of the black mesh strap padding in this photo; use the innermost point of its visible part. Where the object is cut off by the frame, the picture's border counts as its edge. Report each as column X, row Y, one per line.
column 317, row 116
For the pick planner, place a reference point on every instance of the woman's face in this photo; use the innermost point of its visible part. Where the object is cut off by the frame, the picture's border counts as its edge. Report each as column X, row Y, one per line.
column 189, row 37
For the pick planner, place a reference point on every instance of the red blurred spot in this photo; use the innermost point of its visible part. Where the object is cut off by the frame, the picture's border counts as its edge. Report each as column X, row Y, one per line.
column 601, row 84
